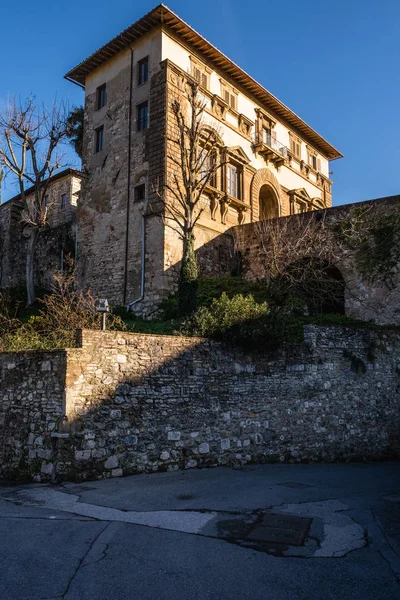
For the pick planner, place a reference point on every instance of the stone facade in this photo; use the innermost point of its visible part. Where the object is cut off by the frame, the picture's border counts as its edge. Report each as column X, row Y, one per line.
column 55, row 242
column 127, row 254
column 126, row 403
column 365, row 296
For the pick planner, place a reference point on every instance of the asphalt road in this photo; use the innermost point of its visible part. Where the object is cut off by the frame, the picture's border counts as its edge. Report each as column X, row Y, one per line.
column 201, row 535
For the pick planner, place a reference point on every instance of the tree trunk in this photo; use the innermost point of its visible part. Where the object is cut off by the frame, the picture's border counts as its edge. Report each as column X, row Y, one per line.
column 30, row 255
column 188, row 280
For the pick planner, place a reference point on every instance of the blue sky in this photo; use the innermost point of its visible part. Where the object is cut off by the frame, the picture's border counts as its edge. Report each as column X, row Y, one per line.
column 335, row 64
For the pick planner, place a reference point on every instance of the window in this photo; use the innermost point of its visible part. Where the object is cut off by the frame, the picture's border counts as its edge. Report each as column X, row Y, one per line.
column 313, row 160
column 295, row 145
column 233, row 181
column 99, row 138
column 200, row 75
column 139, row 193
column 63, row 201
column 266, row 135
column 229, row 95
column 101, row 96
column 143, row 70
column 143, row 116
column 206, row 164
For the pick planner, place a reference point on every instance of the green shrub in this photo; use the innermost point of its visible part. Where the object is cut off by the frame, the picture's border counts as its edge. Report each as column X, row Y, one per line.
column 242, row 321
column 209, row 288
column 223, row 314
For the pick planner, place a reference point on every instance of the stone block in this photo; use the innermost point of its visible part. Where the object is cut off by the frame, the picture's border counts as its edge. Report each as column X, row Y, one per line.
column 111, row 462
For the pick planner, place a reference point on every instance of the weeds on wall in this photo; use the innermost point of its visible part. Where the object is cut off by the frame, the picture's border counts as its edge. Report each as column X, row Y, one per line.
column 59, row 315
column 374, row 238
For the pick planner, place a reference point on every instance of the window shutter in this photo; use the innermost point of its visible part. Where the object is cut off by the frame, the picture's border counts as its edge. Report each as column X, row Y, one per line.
column 273, row 134
column 204, row 80
column 196, row 74
column 319, row 164
column 226, row 96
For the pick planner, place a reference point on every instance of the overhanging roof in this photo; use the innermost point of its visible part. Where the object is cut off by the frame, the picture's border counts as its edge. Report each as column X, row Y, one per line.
column 162, row 15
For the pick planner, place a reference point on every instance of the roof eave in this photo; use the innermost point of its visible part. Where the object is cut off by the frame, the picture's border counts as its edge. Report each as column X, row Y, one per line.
column 162, row 15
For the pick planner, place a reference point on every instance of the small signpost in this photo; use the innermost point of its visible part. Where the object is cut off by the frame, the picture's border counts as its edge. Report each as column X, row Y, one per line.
column 103, row 307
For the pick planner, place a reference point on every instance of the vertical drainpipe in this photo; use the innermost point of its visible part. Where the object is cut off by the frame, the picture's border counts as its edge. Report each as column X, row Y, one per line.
column 143, row 228
column 128, row 194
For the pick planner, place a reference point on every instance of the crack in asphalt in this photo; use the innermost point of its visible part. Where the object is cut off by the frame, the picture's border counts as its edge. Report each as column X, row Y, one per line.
column 80, row 564
column 391, row 556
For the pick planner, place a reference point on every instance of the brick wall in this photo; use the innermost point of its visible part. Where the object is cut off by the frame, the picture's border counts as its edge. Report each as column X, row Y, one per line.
column 141, row 403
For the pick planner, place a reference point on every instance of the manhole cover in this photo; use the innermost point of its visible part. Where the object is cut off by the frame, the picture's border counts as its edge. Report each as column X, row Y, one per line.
column 288, row 530
column 294, row 484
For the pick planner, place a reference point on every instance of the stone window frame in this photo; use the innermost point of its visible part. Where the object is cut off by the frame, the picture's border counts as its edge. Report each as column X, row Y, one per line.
column 229, row 95
column 295, row 142
column 313, row 160
column 196, row 66
column 215, row 184
column 264, row 121
column 231, row 158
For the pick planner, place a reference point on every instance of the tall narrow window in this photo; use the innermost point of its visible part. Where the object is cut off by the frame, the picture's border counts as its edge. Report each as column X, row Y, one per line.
column 233, row 181
column 295, row 146
column 266, row 136
column 143, row 70
column 99, row 145
column 101, row 96
column 63, row 201
column 200, row 76
column 229, row 95
column 140, row 193
column 143, row 116
column 314, row 161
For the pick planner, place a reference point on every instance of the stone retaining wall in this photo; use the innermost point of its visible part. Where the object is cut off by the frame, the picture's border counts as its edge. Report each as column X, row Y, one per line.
column 142, row 403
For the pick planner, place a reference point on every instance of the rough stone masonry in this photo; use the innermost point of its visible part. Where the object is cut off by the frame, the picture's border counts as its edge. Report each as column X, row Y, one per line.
column 126, row 403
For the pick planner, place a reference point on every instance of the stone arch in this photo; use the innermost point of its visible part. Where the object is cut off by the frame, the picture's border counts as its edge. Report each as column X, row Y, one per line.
column 264, row 177
column 206, row 130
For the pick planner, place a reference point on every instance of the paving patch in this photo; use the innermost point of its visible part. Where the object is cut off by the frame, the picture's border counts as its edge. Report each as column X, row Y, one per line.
column 310, row 529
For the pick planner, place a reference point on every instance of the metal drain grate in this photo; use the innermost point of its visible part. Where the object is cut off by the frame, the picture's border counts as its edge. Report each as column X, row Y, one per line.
column 288, row 530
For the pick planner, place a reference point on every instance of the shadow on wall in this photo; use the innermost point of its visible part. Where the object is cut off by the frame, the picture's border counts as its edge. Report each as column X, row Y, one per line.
column 355, row 245
column 140, row 403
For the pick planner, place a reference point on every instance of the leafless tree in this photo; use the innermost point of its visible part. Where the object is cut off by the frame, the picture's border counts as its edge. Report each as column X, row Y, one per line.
column 30, row 137
column 195, row 164
column 299, row 258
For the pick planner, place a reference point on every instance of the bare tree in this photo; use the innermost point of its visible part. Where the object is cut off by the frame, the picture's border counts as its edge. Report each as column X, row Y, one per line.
column 30, row 136
column 195, row 163
column 299, row 258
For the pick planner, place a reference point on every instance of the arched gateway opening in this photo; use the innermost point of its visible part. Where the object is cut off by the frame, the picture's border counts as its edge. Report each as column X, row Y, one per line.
column 268, row 203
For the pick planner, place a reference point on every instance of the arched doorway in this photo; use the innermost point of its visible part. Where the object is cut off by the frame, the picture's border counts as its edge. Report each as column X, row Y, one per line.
column 268, row 203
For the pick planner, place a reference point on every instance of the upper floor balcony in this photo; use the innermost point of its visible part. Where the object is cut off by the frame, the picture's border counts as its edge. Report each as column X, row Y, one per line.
column 267, row 145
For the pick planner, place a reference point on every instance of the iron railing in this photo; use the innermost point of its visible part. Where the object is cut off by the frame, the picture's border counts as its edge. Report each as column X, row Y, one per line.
column 265, row 138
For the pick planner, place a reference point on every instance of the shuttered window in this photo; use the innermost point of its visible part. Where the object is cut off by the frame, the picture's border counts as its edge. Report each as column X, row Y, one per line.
column 295, row 146
column 229, row 96
column 200, row 76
